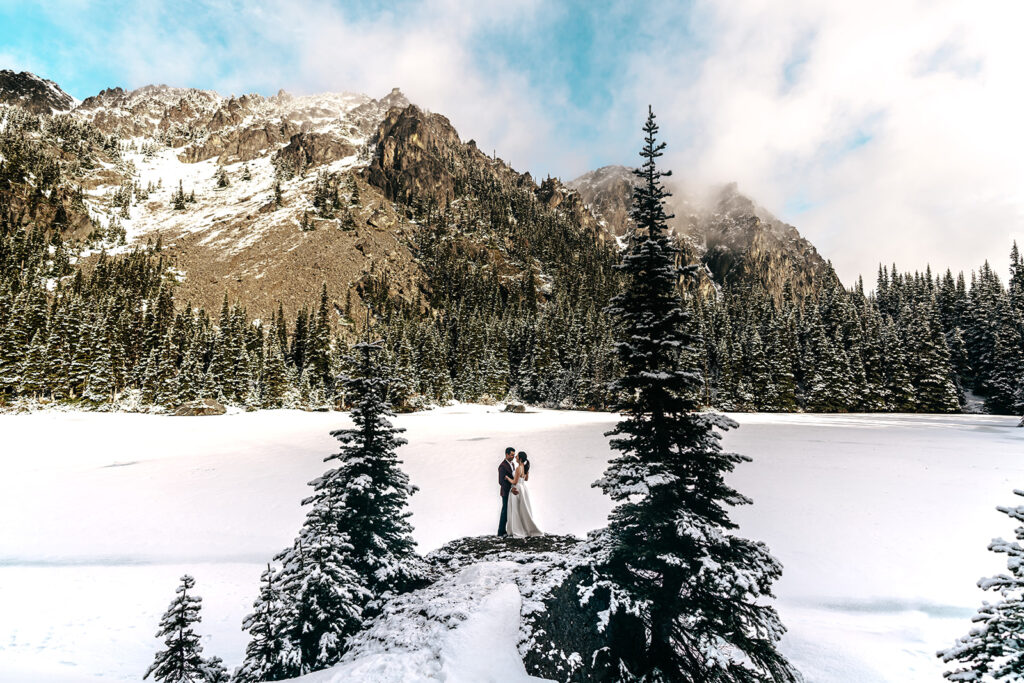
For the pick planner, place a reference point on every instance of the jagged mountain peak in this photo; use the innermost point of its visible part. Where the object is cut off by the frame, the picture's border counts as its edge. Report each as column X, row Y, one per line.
column 739, row 242
column 37, row 95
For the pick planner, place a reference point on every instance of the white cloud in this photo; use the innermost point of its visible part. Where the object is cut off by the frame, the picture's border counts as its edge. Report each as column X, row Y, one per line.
column 885, row 130
column 315, row 45
column 901, row 131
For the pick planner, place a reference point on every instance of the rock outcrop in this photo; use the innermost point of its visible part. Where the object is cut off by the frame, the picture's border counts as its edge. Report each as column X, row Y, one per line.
column 306, row 150
column 414, row 156
column 33, row 93
column 206, row 406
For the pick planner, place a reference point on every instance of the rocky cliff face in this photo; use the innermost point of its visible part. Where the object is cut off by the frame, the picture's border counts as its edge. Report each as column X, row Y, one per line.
column 205, row 125
column 608, row 193
column 738, row 242
column 33, row 93
column 419, row 155
column 744, row 244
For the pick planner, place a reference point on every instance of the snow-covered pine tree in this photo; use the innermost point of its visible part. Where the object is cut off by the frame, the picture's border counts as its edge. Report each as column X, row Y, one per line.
column 356, row 544
column 270, row 654
column 274, row 384
column 101, row 386
column 33, row 371
column 994, row 649
column 928, row 360
column 1007, row 374
column 686, row 598
column 178, row 198
column 783, row 349
column 318, row 351
column 14, row 344
column 898, row 389
column 367, row 492
column 182, row 661
column 215, row 671
column 323, row 596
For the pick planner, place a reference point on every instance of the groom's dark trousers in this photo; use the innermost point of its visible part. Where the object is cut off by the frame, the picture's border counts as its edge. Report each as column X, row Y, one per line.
column 504, row 470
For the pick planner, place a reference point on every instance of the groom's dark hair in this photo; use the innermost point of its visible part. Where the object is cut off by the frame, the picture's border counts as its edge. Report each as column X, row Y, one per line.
column 510, row 449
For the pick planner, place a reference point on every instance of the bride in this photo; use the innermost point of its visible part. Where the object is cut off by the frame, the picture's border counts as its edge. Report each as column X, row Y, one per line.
column 520, row 516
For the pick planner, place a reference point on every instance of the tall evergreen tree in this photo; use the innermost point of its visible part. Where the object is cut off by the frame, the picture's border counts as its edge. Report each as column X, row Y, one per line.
column 994, row 649
column 685, row 596
column 367, row 492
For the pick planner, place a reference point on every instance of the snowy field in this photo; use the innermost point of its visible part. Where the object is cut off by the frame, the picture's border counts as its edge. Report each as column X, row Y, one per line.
column 881, row 522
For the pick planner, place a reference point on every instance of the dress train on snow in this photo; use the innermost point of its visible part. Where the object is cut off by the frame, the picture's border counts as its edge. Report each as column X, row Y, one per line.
column 520, row 516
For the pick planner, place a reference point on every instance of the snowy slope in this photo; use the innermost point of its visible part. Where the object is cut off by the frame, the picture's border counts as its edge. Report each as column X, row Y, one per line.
column 881, row 522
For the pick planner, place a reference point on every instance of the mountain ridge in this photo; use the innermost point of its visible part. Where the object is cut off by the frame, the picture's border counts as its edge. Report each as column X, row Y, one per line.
column 33, row 93
column 251, row 238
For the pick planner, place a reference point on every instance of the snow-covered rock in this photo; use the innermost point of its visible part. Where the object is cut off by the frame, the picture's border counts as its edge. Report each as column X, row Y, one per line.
column 472, row 625
column 33, row 93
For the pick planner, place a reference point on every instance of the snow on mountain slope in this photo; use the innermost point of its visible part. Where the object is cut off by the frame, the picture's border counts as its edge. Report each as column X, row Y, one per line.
column 33, row 93
column 881, row 523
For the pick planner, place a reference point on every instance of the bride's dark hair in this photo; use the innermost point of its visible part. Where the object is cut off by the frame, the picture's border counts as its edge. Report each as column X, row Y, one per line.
column 525, row 459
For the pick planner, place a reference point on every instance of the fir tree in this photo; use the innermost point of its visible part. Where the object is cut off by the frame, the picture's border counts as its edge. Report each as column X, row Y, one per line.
column 102, row 385
column 33, row 371
column 270, row 654
column 685, row 597
column 356, row 545
column 182, row 660
column 275, row 376
column 367, row 492
column 178, row 198
column 324, row 597
column 353, row 190
column 215, row 671
column 994, row 649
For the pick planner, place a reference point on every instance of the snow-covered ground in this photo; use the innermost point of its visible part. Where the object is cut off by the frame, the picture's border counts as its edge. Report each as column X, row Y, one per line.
column 881, row 522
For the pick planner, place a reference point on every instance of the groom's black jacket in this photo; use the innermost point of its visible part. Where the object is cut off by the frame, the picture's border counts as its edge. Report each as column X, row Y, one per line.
column 504, row 470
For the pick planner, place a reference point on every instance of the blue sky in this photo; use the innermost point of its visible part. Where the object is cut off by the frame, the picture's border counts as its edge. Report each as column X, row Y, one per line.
column 885, row 130
column 571, row 55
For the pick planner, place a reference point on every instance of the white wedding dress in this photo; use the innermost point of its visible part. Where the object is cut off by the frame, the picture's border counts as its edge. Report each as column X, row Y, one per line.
column 520, row 515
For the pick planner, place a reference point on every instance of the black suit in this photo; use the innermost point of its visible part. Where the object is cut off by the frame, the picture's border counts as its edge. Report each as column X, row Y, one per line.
column 504, row 470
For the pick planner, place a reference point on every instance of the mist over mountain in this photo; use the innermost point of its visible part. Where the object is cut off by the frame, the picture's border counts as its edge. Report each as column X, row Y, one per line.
column 739, row 242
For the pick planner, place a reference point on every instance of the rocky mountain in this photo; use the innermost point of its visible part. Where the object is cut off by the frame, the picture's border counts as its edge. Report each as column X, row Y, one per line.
column 33, row 93
column 286, row 192
column 249, row 167
column 738, row 241
column 280, row 194
column 321, row 215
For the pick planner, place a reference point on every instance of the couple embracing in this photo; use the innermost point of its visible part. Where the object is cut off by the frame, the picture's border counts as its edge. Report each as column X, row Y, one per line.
column 516, row 516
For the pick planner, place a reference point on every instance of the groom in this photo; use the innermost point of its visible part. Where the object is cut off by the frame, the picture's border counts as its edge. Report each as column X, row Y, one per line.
column 504, row 474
